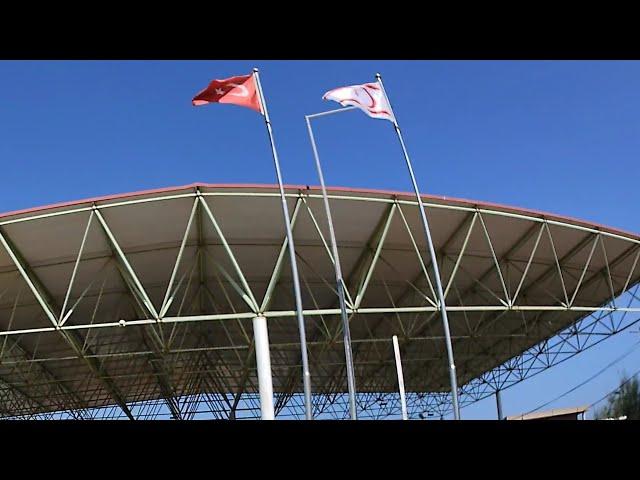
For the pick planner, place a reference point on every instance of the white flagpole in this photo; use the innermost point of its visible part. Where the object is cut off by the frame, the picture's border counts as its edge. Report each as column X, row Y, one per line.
column 434, row 263
column 306, row 376
column 351, row 382
column 403, row 400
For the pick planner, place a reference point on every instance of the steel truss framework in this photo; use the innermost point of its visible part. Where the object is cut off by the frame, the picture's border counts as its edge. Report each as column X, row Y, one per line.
column 140, row 307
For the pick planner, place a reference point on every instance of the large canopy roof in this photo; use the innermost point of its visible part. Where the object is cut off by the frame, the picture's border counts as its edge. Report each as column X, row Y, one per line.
column 144, row 296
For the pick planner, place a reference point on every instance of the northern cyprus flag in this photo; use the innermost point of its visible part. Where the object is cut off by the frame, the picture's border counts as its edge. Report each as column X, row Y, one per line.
column 368, row 97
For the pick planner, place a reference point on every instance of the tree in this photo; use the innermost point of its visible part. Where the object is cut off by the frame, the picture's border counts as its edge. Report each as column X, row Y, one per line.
column 624, row 401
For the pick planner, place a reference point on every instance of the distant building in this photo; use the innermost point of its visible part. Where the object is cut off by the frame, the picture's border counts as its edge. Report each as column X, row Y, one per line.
column 574, row 413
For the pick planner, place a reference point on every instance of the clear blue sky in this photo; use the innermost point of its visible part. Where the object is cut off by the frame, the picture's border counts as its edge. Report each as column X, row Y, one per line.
column 558, row 136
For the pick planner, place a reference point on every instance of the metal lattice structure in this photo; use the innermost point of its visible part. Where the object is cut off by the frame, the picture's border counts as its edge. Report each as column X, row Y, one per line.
column 140, row 305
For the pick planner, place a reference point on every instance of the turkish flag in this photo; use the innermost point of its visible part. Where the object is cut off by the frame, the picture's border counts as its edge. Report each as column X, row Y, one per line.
column 240, row 90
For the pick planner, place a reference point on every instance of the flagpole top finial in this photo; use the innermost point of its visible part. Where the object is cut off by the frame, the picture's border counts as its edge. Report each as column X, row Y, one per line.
column 255, row 70
column 378, row 76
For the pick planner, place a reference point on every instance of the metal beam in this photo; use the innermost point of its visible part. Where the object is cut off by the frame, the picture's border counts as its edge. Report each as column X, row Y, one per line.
column 368, row 256
column 26, row 354
column 48, row 305
column 277, row 269
column 132, row 277
column 164, row 382
column 29, row 277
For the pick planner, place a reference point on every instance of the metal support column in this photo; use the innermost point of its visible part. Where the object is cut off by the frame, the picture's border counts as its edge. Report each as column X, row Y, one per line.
column 403, row 400
column 499, row 405
column 263, row 362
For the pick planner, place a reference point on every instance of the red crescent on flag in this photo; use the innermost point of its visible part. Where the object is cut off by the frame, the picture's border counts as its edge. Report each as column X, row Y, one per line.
column 351, row 99
column 373, row 108
column 373, row 100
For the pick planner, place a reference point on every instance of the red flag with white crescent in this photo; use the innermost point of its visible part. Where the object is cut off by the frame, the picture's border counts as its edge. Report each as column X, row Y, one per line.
column 240, row 90
column 368, row 97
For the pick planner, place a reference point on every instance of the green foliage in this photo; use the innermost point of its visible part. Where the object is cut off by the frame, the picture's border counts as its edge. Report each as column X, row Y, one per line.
column 624, row 401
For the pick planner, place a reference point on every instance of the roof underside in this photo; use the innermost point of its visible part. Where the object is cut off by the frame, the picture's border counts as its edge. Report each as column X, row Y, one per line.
column 70, row 273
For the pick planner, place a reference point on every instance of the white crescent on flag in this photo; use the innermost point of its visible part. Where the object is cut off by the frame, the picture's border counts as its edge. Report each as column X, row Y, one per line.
column 368, row 97
column 243, row 90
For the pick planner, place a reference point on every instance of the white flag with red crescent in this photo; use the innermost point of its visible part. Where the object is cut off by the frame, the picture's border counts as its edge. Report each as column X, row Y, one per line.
column 368, row 97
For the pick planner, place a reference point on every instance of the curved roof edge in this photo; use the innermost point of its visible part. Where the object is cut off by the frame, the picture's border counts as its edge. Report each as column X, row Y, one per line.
column 356, row 190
